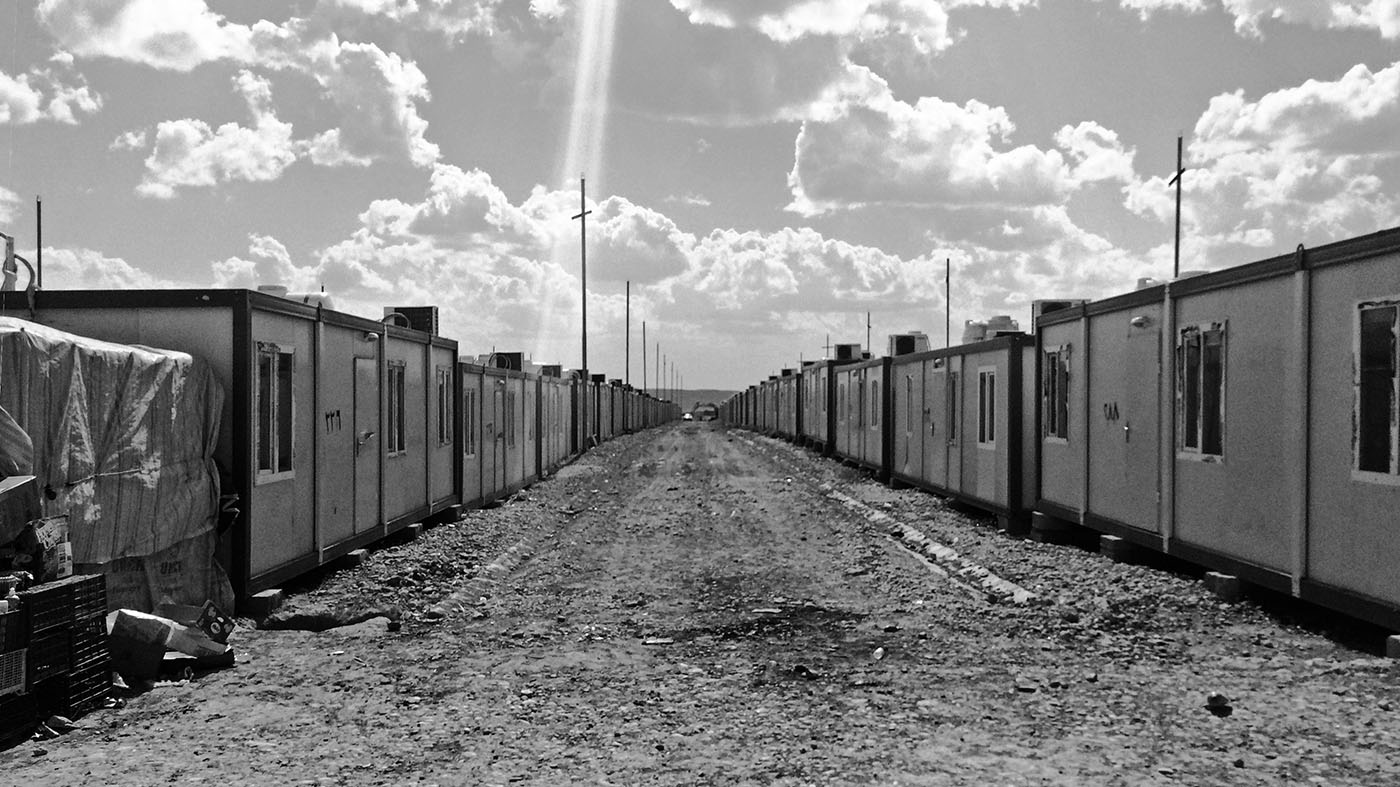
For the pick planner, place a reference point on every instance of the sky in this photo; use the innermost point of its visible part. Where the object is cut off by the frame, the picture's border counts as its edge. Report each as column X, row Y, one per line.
column 763, row 172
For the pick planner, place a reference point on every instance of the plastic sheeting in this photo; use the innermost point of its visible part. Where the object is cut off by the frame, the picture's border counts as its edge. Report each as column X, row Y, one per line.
column 123, row 442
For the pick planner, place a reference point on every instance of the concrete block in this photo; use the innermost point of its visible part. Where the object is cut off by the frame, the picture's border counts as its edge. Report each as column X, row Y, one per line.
column 1227, row 587
column 354, row 558
column 1392, row 646
column 262, row 604
column 413, row 531
column 1119, row 550
column 1013, row 525
column 1048, row 530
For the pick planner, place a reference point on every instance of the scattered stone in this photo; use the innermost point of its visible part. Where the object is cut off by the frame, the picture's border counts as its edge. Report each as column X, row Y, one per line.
column 658, row 641
column 803, row 671
column 1218, row 704
column 891, row 628
column 878, row 654
column 767, row 611
column 1239, row 762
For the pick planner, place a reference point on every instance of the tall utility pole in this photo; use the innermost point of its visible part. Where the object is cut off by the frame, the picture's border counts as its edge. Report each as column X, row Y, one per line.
column 583, row 263
column 657, row 368
column 948, row 302
column 1176, row 179
column 39, row 241
column 627, row 343
column 644, row 356
column 868, row 348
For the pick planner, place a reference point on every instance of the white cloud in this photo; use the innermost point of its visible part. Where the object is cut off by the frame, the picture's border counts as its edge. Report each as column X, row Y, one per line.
column 693, row 200
column 1311, row 163
column 9, row 205
column 45, row 94
column 880, row 150
column 71, row 269
column 167, row 34
column 190, row 153
column 1096, row 152
column 376, row 94
column 1382, row 16
column 453, row 18
column 923, row 23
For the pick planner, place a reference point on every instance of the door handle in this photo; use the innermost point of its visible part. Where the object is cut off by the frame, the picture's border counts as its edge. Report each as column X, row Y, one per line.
column 364, row 438
column 1127, row 433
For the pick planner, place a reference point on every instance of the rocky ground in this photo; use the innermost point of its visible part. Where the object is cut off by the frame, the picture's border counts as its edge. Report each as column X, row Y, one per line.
column 702, row 606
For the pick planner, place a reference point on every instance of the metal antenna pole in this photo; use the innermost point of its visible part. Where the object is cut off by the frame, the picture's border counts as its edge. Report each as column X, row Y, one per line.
column 867, row 333
column 39, row 241
column 583, row 263
column 644, row 356
column 627, row 343
column 1176, row 179
column 947, row 302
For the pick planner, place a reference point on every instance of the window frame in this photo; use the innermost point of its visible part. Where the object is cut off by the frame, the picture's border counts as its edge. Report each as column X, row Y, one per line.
column 1391, row 476
column 469, row 422
column 281, row 416
column 1054, row 386
column 396, row 387
column 444, row 409
column 986, row 407
column 1187, row 383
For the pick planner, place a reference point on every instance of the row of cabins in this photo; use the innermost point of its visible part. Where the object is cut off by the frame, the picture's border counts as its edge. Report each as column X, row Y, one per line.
column 338, row 430
column 1243, row 419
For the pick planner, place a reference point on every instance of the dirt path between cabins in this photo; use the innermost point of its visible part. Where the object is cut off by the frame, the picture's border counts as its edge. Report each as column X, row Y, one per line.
column 697, row 606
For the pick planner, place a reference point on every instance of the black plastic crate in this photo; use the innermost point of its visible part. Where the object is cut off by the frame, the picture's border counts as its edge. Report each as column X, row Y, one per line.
column 17, row 720
column 49, row 656
column 73, row 694
column 88, row 644
column 14, row 631
column 89, row 597
column 49, row 605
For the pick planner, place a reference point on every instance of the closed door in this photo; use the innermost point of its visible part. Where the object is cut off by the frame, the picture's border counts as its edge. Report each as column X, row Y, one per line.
column 498, row 437
column 1124, row 459
column 367, row 441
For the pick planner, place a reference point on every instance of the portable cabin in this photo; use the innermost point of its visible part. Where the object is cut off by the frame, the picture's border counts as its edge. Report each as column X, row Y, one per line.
column 337, row 431
column 478, row 454
column 554, row 418
column 959, row 416
column 1260, row 401
column 789, row 404
column 861, row 391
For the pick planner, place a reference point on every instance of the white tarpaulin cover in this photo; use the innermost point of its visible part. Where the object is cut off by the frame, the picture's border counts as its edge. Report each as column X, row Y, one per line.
column 124, row 437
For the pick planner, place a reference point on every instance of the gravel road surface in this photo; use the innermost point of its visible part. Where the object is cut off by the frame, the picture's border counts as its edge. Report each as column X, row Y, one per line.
column 697, row 605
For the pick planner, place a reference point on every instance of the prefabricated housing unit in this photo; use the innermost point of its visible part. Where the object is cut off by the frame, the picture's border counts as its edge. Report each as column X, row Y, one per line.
column 958, row 419
column 337, row 431
column 1244, row 419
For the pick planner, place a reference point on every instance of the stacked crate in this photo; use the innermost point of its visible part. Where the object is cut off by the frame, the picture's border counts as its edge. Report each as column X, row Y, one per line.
column 66, row 667
column 16, row 707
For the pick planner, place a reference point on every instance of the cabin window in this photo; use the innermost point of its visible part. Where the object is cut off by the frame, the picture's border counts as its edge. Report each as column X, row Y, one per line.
column 986, row 407
column 823, row 398
column 1200, row 356
column 1054, row 387
column 841, row 400
column 860, row 403
column 510, row 418
column 397, row 443
column 275, row 411
column 909, row 404
column 952, row 407
column 1376, row 382
column 444, row 405
column 875, row 403
column 469, row 422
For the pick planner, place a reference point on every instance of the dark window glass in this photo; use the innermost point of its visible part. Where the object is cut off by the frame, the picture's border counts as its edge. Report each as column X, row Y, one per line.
column 1375, row 403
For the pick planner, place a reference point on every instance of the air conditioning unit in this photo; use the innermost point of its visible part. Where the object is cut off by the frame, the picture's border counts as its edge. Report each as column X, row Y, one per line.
column 789, row 372
column 512, row 361
column 908, row 343
column 551, row 370
column 1047, row 306
column 420, row 318
column 847, row 352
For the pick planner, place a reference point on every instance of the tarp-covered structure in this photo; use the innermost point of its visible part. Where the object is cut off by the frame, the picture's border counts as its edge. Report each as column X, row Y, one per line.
column 123, row 441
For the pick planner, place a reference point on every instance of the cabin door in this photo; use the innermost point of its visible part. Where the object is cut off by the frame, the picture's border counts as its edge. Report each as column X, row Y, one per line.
column 1131, row 479
column 367, row 436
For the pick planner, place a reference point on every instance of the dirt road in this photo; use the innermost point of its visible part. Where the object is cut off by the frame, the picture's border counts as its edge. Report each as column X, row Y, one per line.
column 697, row 606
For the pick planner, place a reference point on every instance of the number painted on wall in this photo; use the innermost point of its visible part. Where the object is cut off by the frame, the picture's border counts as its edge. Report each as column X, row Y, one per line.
column 333, row 423
column 1110, row 411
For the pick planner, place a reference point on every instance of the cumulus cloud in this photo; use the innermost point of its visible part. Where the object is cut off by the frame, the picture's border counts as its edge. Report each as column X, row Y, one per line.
column 46, row 94
column 1310, row 163
column 924, row 24
column 191, row 153
column 453, row 18
column 167, row 34
column 375, row 94
column 79, row 268
column 9, row 205
column 881, row 150
column 1382, row 16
